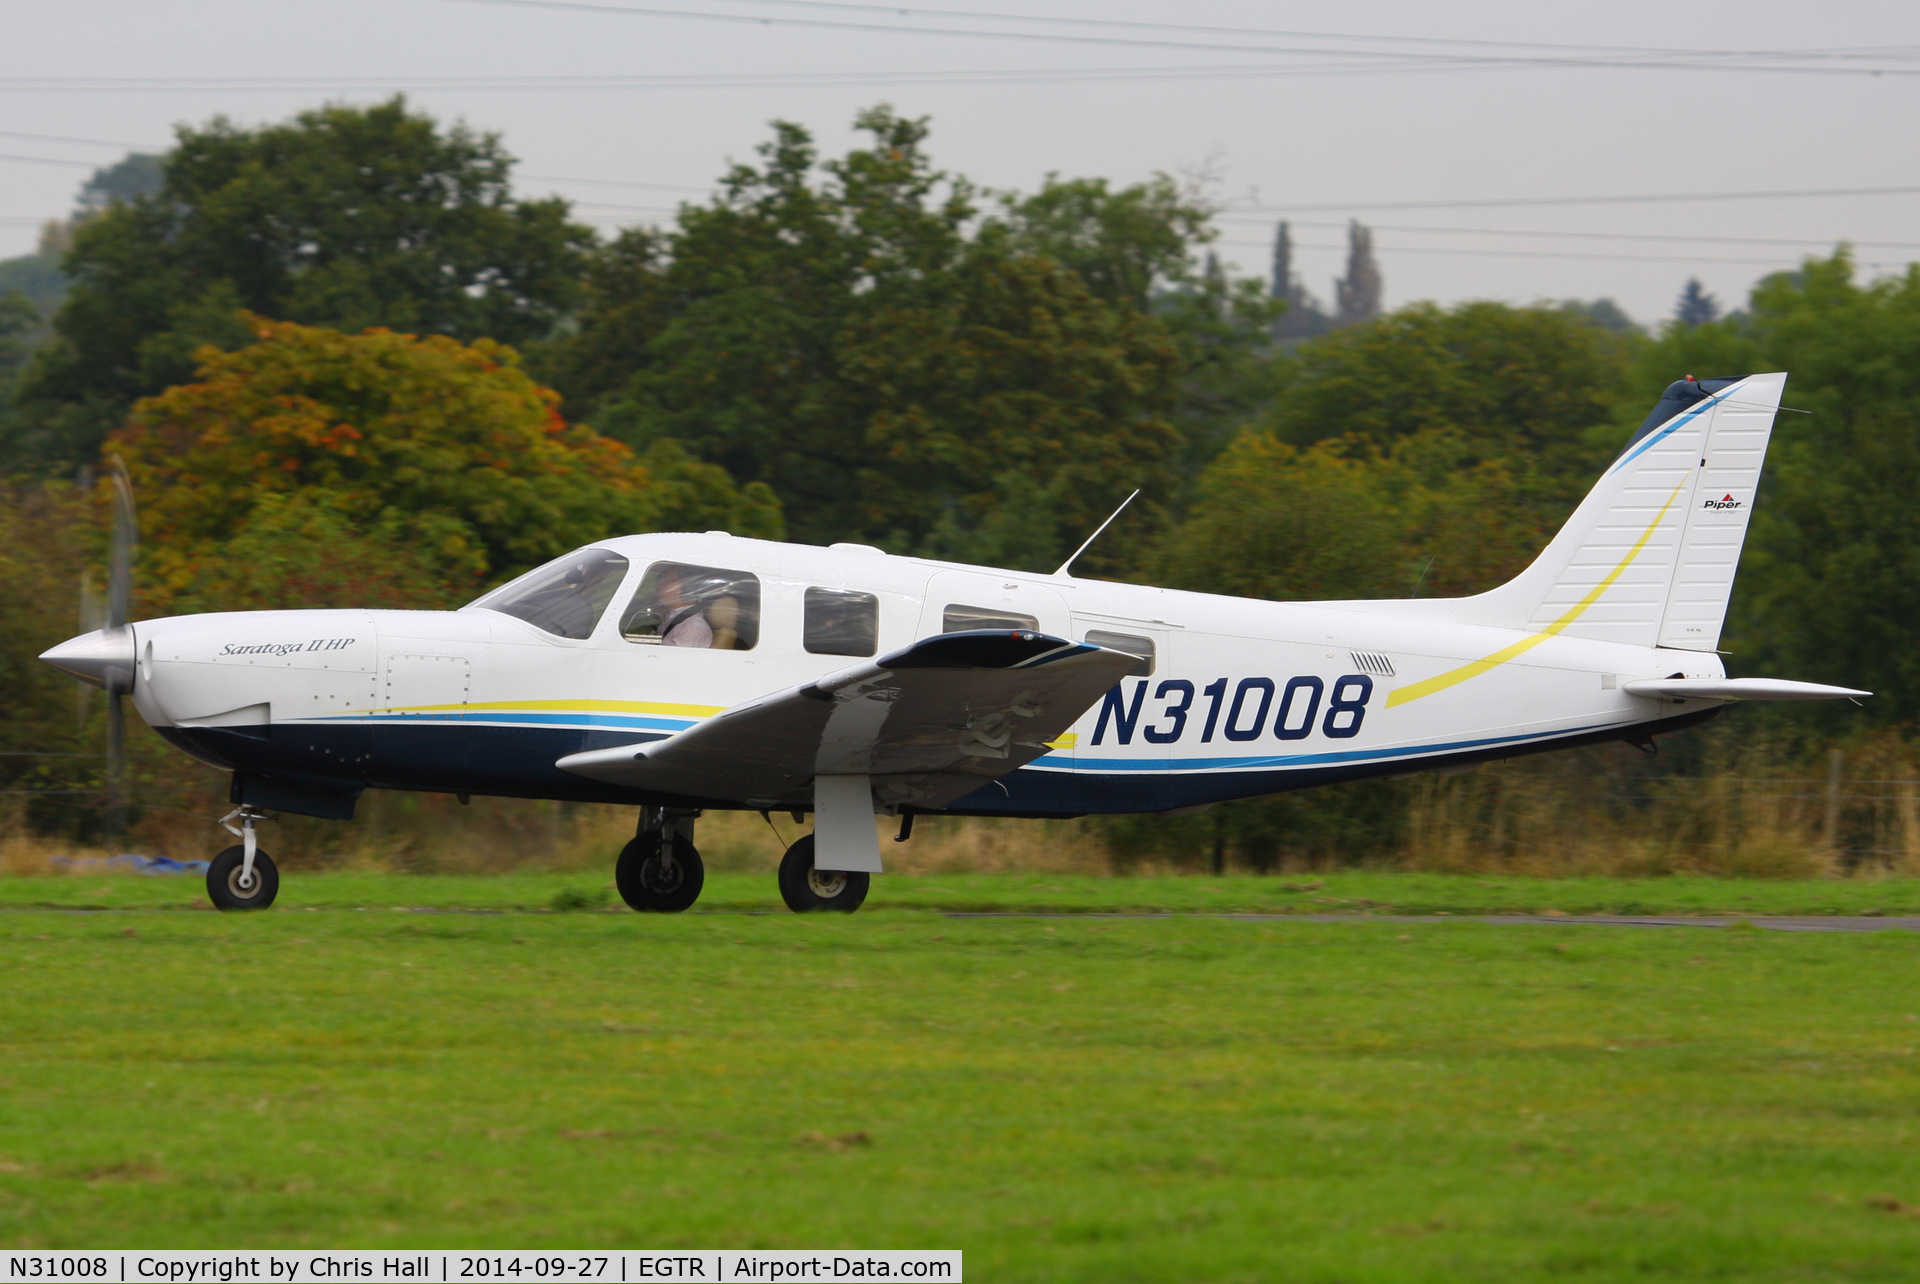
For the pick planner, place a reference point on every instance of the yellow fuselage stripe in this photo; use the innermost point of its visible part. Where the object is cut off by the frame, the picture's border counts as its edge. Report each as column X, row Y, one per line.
column 1454, row 677
column 575, row 706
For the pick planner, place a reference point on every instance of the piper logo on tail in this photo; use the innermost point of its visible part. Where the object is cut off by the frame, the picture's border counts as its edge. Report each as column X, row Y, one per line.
column 1728, row 502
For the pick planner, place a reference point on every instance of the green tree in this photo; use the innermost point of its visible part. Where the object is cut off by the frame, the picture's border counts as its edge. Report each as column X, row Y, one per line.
column 1126, row 245
column 18, row 317
column 446, row 452
column 1135, row 247
column 1527, row 383
column 842, row 331
column 133, row 176
column 47, row 543
column 1290, row 523
column 344, row 217
column 1696, row 306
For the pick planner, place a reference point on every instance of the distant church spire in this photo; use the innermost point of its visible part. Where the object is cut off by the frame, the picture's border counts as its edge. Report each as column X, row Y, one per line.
column 1304, row 316
column 1357, row 295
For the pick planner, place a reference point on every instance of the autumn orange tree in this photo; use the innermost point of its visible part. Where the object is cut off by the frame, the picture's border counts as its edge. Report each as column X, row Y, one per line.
column 316, row 468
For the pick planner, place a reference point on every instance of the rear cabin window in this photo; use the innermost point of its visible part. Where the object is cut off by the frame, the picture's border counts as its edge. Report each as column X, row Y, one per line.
column 705, row 607
column 1128, row 642
column 564, row 597
column 959, row 619
column 841, row 622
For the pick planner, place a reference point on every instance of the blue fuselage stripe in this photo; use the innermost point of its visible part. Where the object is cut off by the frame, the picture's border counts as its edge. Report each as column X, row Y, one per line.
column 1129, row 765
column 512, row 719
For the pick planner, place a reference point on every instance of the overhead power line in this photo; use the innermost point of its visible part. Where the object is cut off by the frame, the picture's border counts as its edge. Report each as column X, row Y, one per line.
column 1385, row 252
column 614, row 82
column 1790, row 241
column 584, row 82
column 83, row 142
column 48, row 160
column 1282, row 211
column 1395, row 60
column 1358, row 37
column 1515, row 202
column 618, row 182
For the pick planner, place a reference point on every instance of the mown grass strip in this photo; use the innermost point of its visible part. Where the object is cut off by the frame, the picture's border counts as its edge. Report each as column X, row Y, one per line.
column 1167, row 1098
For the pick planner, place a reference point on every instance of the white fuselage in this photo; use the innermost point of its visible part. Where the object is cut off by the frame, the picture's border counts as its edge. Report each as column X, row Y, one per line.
column 1245, row 697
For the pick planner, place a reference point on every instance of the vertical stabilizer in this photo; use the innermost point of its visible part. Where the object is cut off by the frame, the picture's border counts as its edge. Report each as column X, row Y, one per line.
column 1649, row 557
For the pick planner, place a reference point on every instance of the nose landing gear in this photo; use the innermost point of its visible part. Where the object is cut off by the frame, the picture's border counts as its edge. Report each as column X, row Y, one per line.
column 660, row 871
column 243, row 877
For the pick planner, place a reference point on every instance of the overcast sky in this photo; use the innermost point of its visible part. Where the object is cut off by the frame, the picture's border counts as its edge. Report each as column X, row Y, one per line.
column 1343, row 111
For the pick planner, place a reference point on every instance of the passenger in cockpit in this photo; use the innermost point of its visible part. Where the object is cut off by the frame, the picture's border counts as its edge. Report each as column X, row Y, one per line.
column 723, row 619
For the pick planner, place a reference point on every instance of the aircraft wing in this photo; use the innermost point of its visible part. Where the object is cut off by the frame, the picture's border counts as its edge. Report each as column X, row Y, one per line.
column 930, row 724
column 1738, row 689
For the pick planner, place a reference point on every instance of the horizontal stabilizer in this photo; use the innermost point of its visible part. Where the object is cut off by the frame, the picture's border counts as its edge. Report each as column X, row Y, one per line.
column 928, row 724
column 1738, row 689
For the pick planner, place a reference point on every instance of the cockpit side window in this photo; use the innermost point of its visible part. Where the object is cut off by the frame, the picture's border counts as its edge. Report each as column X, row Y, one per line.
column 841, row 622
column 1132, row 644
column 565, row 597
column 694, row 606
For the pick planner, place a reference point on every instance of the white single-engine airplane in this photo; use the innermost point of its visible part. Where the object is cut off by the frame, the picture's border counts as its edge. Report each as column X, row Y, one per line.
column 681, row 672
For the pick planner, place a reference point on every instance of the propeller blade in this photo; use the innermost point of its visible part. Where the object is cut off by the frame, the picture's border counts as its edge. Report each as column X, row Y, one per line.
column 120, row 555
column 93, row 607
column 93, row 617
column 126, row 542
column 116, row 818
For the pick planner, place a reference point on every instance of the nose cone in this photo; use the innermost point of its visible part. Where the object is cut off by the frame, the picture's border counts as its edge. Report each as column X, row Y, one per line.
column 104, row 657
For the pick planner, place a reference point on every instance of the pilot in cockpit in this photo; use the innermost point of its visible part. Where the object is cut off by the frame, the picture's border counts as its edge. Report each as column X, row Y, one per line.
column 692, row 618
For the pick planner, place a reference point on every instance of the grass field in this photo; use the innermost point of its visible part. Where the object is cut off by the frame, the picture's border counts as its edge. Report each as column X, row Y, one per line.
column 1338, row 893
column 1138, row 1098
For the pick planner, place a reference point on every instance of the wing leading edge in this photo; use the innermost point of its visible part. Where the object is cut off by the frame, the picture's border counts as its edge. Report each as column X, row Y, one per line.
column 929, row 724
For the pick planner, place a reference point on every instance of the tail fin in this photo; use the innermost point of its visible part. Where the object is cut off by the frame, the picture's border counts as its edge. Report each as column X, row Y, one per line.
column 1649, row 556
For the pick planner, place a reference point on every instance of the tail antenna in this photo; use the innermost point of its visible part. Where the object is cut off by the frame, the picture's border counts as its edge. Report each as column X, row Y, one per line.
column 1096, row 534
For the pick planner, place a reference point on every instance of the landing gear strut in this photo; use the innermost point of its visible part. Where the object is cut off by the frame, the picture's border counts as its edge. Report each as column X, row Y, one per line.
column 829, row 869
column 659, row 872
column 243, row 877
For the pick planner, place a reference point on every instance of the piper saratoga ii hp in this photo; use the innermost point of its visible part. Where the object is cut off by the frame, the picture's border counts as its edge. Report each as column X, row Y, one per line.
column 680, row 673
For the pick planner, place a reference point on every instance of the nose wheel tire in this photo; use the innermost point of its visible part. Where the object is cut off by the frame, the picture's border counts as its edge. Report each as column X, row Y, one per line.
column 652, row 884
column 806, row 889
column 229, row 887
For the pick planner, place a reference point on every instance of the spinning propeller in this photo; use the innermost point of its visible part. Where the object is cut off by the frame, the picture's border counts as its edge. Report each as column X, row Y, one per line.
column 104, row 655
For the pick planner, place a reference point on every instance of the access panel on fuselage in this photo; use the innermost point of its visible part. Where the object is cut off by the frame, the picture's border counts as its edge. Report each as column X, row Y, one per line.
column 958, row 601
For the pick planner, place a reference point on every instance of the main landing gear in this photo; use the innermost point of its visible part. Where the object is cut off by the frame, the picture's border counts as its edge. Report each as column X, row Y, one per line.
column 659, row 872
column 830, row 868
column 243, row 877
column 806, row 889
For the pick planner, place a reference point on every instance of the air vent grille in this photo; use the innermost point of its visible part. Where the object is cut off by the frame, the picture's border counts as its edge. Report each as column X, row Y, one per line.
column 1373, row 662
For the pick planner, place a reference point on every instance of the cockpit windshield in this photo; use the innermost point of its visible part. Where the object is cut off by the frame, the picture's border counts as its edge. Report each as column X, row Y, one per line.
column 564, row 597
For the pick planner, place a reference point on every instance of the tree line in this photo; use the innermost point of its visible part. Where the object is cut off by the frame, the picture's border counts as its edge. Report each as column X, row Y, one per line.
column 346, row 364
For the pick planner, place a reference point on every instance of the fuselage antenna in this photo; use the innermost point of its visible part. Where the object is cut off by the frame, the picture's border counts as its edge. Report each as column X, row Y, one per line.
column 1096, row 534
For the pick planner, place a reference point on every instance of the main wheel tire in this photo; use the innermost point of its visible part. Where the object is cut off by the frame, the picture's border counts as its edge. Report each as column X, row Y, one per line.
column 226, row 889
column 654, row 886
column 806, row 889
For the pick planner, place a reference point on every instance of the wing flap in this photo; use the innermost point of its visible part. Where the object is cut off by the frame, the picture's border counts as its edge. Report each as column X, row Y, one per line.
column 929, row 723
